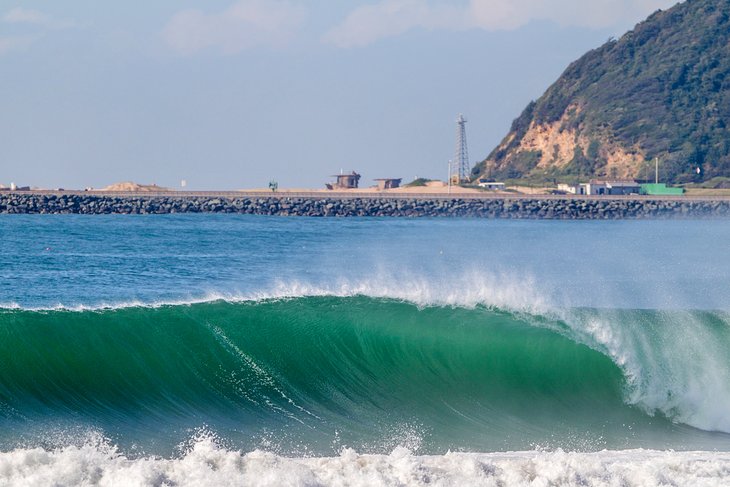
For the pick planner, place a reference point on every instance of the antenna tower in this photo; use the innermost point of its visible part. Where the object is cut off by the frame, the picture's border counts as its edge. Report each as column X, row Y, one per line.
column 461, row 159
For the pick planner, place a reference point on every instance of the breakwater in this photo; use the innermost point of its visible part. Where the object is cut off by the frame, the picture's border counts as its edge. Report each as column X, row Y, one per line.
column 513, row 207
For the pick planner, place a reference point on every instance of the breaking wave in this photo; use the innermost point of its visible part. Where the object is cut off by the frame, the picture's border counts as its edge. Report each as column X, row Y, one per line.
column 321, row 372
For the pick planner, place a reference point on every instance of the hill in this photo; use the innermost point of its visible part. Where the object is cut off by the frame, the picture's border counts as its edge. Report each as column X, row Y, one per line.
column 662, row 90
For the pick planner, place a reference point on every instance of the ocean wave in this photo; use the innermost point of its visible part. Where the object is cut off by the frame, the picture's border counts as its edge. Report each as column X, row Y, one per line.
column 662, row 377
column 319, row 367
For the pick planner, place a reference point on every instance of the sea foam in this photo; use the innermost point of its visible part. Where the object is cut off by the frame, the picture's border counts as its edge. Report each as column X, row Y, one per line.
column 206, row 464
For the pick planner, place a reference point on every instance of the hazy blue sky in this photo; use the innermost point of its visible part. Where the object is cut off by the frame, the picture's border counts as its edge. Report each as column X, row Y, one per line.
column 230, row 94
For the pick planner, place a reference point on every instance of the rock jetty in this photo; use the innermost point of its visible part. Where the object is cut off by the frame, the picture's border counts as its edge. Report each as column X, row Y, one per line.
column 325, row 206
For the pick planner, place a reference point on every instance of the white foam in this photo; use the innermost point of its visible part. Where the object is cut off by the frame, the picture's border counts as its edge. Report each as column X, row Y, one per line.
column 205, row 464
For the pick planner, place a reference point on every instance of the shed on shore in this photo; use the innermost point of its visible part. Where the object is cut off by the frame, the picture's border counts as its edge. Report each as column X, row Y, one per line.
column 345, row 181
column 388, row 183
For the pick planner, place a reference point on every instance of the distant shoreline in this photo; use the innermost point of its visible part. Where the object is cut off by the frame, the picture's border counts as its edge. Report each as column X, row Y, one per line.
column 355, row 194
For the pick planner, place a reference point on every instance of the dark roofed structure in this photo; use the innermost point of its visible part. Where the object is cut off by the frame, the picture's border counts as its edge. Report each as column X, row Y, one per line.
column 345, row 181
column 388, row 183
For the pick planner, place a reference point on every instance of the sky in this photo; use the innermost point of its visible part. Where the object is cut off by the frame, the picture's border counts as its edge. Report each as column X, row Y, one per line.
column 231, row 94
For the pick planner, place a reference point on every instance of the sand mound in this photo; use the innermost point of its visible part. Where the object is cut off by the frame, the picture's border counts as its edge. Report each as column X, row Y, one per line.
column 129, row 186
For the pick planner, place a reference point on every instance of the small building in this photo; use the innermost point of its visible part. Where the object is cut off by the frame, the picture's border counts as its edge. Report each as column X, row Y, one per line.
column 660, row 189
column 492, row 185
column 577, row 189
column 345, row 181
column 385, row 183
column 597, row 187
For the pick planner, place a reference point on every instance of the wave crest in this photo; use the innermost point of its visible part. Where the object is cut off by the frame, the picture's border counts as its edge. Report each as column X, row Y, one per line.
column 471, row 289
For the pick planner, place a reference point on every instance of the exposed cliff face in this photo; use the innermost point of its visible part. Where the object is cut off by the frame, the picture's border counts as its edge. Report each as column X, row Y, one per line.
column 557, row 148
column 662, row 90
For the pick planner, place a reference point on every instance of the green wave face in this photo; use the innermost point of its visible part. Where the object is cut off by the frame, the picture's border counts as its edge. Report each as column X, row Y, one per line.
column 318, row 374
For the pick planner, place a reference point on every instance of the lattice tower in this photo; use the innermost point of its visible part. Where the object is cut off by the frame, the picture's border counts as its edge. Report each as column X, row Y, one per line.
column 462, row 168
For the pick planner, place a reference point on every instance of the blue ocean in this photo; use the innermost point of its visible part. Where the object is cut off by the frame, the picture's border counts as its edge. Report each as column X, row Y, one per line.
column 242, row 350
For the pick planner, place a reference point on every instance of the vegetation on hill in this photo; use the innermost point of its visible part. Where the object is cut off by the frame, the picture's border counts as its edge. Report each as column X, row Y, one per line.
column 662, row 90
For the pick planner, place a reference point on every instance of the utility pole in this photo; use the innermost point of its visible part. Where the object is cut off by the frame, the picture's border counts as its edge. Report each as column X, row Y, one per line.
column 451, row 175
column 656, row 177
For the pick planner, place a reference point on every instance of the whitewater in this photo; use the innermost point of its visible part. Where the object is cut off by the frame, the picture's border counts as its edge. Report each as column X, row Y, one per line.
column 240, row 350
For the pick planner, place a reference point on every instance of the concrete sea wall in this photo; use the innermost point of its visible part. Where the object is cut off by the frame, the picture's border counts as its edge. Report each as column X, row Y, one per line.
column 548, row 207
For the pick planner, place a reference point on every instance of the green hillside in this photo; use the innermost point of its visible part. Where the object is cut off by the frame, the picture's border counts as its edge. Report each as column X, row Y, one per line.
column 662, row 90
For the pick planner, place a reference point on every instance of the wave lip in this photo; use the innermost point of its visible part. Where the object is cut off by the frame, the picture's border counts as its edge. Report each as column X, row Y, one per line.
column 207, row 464
column 500, row 291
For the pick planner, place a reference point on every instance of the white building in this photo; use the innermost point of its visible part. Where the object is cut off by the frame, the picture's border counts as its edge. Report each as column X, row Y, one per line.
column 597, row 187
column 483, row 183
column 578, row 189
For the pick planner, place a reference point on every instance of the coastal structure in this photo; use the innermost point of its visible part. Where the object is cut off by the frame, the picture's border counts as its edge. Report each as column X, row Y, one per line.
column 492, row 185
column 376, row 205
column 577, row 189
column 597, row 187
column 345, row 181
column 660, row 189
column 386, row 183
column 459, row 168
column 618, row 188
column 15, row 187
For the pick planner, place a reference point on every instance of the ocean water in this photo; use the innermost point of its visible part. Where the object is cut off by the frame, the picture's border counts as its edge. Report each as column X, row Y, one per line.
column 240, row 350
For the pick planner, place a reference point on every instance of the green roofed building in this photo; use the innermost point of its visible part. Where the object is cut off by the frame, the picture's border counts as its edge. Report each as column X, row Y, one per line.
column 660, row 189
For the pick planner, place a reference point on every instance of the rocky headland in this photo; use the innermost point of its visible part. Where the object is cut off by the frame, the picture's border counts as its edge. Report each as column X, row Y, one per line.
column 661, row 91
